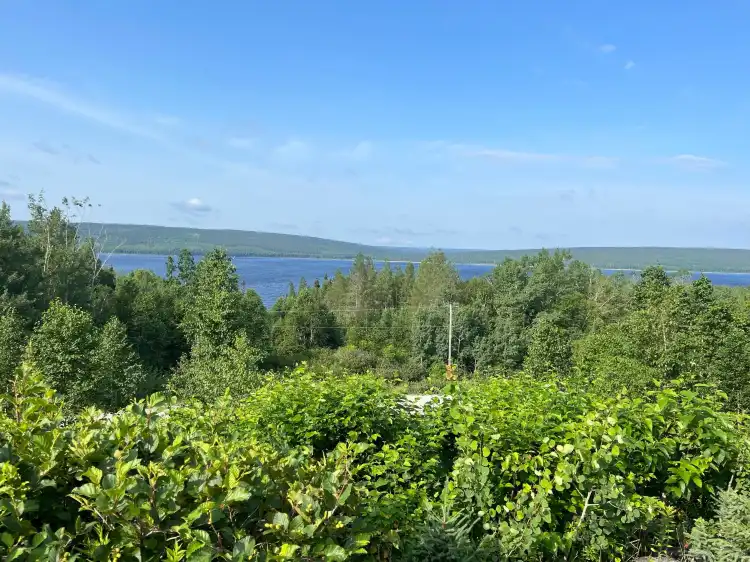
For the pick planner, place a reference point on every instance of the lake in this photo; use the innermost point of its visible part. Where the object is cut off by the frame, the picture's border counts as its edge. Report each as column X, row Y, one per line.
column 270, row 277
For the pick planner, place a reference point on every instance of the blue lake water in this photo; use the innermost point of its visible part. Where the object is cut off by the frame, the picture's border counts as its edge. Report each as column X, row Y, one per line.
column 270, row 277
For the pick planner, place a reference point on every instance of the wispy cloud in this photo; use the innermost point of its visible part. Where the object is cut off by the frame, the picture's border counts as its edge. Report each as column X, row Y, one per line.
column 567, row 195
column 64, row 150
column 7, row 194
column 629, row 65
column 193, row 206
column 693, row 162
column 361, row 151
column 155, row 127
column 167, row 120
column 54, row 96
column 293, row 150
column 46, row 147
column 521, row 157
column 607, row 48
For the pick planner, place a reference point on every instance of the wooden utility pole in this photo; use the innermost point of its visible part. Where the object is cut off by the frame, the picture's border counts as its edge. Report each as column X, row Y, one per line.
column 450, row 332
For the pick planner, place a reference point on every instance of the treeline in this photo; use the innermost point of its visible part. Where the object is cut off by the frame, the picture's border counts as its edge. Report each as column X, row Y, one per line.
column 168, row 240
column 104, row 339
column 542, row 314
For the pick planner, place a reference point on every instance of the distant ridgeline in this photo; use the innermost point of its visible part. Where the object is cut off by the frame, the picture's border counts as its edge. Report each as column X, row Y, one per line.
column 142, row 239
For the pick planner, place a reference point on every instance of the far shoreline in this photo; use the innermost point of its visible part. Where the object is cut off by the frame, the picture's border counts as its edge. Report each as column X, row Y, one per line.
column 401, row 261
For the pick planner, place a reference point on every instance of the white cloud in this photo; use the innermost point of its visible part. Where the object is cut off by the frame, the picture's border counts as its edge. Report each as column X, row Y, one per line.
column 242, row 143
column 293, row 150
column 693, row 162
column 628, row 65
column 607, row 48
column 193, row 206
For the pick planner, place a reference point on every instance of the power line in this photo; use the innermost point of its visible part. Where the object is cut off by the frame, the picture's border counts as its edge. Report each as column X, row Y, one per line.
column 375, row 309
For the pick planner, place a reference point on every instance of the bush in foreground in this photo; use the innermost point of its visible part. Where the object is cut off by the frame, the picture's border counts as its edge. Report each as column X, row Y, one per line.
column 334, row 468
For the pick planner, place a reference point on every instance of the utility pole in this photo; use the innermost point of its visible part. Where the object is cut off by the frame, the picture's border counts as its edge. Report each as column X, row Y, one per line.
column 450, row 331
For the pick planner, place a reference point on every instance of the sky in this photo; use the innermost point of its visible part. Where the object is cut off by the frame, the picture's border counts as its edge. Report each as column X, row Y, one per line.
column 429, row 123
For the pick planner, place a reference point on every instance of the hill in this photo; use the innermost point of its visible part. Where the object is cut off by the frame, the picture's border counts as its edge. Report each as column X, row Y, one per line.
column 142, row 239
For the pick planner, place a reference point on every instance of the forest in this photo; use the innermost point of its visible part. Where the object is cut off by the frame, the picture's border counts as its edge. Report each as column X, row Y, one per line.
column 165, row 240
column 582, row 416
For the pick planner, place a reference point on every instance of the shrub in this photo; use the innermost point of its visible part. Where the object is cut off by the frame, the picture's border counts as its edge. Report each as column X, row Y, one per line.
column 211, row 371
column 316, row 466
column 726, row 537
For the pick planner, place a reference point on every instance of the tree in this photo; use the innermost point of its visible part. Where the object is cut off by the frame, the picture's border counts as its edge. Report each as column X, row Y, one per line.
column 116, row 376
column 651, row 287
column 151, row 310
column 208, row 372
column 307, row 324
column 11, row 345
column 61, row 349
column 88, row 366
column 185, row 267
column 70, row 264
column 429, row 336
column 20, row 274
column 436, row 282
column 471, row 326
column 217, row 311
column 228, row 330
column 550, row 350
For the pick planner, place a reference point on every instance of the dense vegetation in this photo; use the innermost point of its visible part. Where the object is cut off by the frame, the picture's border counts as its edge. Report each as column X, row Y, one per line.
column 162, row 240
column 585, row 417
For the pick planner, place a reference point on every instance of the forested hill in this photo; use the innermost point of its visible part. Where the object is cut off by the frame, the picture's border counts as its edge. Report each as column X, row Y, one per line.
column 142, row 239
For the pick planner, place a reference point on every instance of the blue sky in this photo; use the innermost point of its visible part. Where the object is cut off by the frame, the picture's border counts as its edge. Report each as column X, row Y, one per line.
column 479, row 124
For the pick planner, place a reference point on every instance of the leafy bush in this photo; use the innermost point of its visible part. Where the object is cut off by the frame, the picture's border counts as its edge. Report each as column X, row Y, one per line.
column 155, row 482
column 329, row 467
column 563, row 473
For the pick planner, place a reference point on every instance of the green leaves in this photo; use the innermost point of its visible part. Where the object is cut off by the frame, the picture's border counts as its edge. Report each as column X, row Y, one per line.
column 332, row 468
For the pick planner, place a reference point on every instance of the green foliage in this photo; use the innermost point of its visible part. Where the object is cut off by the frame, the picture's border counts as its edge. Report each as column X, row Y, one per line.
column 214, row 314
column 726, row 537
column 562, row 473
column 156, row 482
column 444, row 535
column 210, row 372
column 304, row 322
column 151, row 309
column 550, row 350
column 325, row 467
column 436, row 282
column 675, row 330
column 116, row 376
column 87, row 365
column 70, row 266
column 11, row 345
column 610, row 444
column 20, row 271
column 61, row 349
